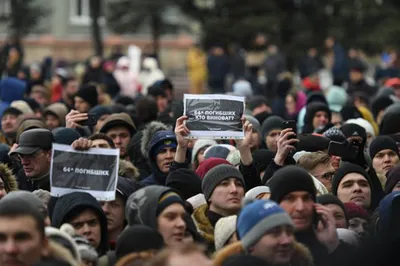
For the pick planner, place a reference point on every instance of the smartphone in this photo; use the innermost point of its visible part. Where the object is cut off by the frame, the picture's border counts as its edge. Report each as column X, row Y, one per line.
column 290, row 124
column 344, row 150
column 315, row 219
column 91, row 121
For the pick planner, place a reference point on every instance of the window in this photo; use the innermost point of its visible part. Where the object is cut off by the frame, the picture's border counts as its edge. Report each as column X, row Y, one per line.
column 5, row 9
column 80, row 12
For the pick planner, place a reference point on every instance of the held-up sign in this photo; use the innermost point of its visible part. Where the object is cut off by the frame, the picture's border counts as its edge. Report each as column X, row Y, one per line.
column 94, row 171
column 214, row 116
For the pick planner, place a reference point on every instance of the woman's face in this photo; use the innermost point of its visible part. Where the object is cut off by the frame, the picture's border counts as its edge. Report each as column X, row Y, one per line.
column 171, row 224
column 290, row 104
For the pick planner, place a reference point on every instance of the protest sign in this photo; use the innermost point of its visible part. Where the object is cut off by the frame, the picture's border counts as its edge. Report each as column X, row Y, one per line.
column 94, row 171
column 214, row 116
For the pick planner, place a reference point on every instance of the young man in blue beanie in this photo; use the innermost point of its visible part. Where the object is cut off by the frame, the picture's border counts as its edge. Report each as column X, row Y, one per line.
column 266, row 231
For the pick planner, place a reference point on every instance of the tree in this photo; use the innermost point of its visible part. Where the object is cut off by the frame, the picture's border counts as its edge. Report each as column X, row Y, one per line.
column 128, row 16
column 24, row 17
column 95, row 13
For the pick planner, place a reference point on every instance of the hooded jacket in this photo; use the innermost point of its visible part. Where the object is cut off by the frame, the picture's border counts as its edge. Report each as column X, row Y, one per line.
column 60, row 110
column 69, row 205
column 153, row 134
column 11, row 89
column 141, row 206
column 151, row 74
column 311, row 110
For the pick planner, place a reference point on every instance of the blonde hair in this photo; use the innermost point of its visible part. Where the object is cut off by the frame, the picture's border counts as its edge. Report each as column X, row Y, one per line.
column 226, row 252
column 313, row 159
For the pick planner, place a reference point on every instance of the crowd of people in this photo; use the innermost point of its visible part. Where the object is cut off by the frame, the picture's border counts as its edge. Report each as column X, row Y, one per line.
column 323, row 191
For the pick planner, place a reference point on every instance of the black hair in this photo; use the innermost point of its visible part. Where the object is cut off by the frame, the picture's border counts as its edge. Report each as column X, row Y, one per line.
column 15, row 208
column 104, row 137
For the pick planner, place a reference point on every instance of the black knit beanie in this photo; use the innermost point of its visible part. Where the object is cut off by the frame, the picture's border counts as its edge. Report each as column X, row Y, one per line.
column 354, row 130
column 289, row 179
column 89, row 94
column 331, row 199
column 382, row 143
column 344, row 169
column 137, row 238
column 185, row 181
column 271, row 123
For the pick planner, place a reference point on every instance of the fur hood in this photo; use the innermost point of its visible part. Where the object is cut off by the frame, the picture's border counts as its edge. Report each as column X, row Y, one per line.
column 301, row 256
column 148, row 133
column 203, row 224
column 10, row 182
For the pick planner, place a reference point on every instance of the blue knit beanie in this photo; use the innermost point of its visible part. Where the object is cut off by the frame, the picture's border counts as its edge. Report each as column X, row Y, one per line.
column 259, row 217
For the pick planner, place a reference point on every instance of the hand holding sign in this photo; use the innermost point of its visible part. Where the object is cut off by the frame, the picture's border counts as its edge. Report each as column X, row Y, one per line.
column 248, row 135
column 82, row 144
column 181, row 131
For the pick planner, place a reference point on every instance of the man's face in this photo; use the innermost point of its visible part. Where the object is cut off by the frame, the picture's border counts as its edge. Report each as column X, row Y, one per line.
column 9, row 123
column 3, row 191
column 162, row 104
column 52, row 121
column 276, row 246
column 36, row 164
column 121, row 137
column 338, row 214
column 227, row 197
column 358, row 225
column 272, row 139
column 355, row 188
column 21, row 243
column 324, row 173
column 320, row 119
column 171, row 224
column 87, row 224
column 100, row 122
column 115, row 213
column 100, row 143
column 39, row 97
column 71, row 88
column 356, row 76
column 81, row 105
column 165, row 158
column 384, row 161
column 300, row 206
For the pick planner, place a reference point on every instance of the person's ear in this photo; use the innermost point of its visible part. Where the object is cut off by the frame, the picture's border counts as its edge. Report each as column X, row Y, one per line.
column 45, row 247
column 48, row 155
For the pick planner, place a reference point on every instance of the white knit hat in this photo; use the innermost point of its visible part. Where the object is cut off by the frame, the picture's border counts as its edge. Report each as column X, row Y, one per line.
column 224, row 229
column 254, row 192
column 200, row 144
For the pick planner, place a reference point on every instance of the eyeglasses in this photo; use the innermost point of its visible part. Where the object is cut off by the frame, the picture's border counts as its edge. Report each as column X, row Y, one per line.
column 327, row 176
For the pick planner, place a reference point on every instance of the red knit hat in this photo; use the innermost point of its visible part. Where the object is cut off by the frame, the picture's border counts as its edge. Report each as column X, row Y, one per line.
column 208, row 164
column 355, row 211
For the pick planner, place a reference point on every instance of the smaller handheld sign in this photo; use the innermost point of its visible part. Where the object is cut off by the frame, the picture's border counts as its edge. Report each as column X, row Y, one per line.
column 94, row 171
column 214, row 116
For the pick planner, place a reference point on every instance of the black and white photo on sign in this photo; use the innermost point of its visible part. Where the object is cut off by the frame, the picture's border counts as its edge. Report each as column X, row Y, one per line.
column 214, row 116
column 94, row 171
